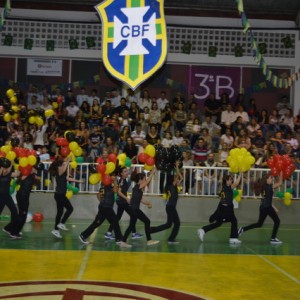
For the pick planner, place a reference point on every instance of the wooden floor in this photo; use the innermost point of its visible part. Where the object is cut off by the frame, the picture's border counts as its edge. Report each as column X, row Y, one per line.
column 40, row 266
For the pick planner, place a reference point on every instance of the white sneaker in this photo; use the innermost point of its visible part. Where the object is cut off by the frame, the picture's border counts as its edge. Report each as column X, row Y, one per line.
column 124, row 245
column 201, row 234
column 56, row 233
column 275, row 241
column 234, row 241
column 62, row 227
column 152, row 242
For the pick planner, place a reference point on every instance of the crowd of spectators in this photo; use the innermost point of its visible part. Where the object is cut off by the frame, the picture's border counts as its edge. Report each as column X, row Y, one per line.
column 128, row 123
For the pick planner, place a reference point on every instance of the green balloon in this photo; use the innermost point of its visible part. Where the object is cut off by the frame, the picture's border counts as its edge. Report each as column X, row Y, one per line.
column 12, row 189
column 235, row 193
column 290, row 190
column 128, row 162
column 79, row 159
column 280, row 194
column 75, row 190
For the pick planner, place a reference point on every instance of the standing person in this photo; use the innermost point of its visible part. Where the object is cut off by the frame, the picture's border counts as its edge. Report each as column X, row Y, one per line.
column 136, row 199
column 106, row 196
column 265, row 187
column 224, row 212
column 59, row 169
column 172, row 215
column 123, row 204
column 26, row 182
column 6, row 174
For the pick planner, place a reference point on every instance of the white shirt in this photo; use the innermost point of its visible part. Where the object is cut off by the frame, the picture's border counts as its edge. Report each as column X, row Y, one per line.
column 80, row 98
column 161, row 103
column 72, row 110
column 228, row 117
column 244, row 116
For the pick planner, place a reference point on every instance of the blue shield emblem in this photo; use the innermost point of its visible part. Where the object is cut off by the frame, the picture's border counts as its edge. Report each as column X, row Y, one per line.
column 134, row 39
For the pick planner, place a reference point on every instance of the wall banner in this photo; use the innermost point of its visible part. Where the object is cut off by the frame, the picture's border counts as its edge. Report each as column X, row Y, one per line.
column 44, row 67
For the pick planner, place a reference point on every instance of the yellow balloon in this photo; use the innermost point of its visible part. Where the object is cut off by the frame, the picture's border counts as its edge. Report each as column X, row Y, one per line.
column 31, row 120
column 77, row 151
column 10, row 93
column 150, row 150
column 47, row 182
column 49, row 113
column 7, row 117
column 240, row 192
column 94, row 178
column 32, row 160
column 6, row 148
column 13, row 100
column 238, row 198
column 15, row 116
column 11, row 155
column 69, row 194
column 15, row 108
column 39, row 121
column 23, row 162
column 73, row 164
column 110, row 167
column 17, row 187
column 16, row 167
column 147, row 167
column 121, row 157
column 73, row 146
column 54, row 105
column 66, row 132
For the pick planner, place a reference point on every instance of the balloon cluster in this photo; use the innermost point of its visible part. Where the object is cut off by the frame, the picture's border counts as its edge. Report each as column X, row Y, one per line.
column 148, row 157
column 71, row 190
column 167, row 157
column 286, row 196
column 281, row 163
column 240, row 160
column 237, row 195
column 102, row 170
column 12, row 110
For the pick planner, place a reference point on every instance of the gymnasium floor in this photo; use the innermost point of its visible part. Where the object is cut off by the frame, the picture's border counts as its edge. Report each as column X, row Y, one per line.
column 40, row 266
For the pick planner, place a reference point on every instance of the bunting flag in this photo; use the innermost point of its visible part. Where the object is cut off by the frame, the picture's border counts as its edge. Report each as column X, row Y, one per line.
column 4, row 13
column 134, row 38
column 259, row 49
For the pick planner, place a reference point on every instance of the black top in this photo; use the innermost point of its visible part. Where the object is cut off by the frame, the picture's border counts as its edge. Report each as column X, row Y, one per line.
column 226, row 196
column 136, row 198
column 267, row 194
column 173, row 195
column 109, row 197
column 124, row 184
column 61, row 183
column 5, row 184
column 26, row 185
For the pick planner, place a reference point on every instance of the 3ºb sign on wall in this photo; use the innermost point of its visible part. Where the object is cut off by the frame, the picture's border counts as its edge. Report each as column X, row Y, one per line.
column 44, row 67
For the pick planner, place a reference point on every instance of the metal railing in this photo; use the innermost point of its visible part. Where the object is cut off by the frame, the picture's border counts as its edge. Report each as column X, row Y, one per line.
column 197, row 181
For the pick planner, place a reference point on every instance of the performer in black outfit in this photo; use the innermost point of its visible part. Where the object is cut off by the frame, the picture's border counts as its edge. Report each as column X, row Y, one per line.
column 224, row 212
column 26, row 183
column 265, row 187
column 172, row 215
column 105, row 211
column 123, row 203
column 59, row 169
column 6, row 174
column 136, row 199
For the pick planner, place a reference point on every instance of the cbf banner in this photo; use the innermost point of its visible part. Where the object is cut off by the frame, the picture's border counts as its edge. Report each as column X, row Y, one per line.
column 134, row 42
column 218, row 80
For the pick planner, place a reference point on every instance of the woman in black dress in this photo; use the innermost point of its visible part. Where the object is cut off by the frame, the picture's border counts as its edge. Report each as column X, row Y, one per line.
column 136, row 199
column 265, row 187
column 59, row 169
column 224, row 212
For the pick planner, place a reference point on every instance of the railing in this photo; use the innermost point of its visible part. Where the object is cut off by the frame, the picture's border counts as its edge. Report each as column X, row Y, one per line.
column 197, row 181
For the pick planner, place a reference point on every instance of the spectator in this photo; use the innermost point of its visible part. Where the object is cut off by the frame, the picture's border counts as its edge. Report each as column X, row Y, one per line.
column 242, row 113
column 177, row 139
column 145, row 100
column 121, row 108
column 123, row 136
column 110, row 131
column 94, row 95
column 82, row 97
column 153, row 136
column 110, row 146
column 46, row 104
column 196, row 131
column 283, row 106
column 166, row 118
column 223, row 154
column 212, row 108
column 224, row 101
column 133, row 114
column 243, row 140
column 33, row 103
column 162, row 101
column 278, row 142
column 107, row 109
column 82, row 135
column 116, row 98
column 86, row 110
column 72, row 111
column 227, row 118
column 207, row 138
column 274, row 121
column 138, row 135
column 131, row 150
column 200, row 151
column 180, row 117
column 287, row 122
column 155, row 116
column 253, row 127
column 214, row 131
column 252, row 109
column 258, row 146
column 131, row 97
column 187, row 162
column 237, row 126
column 167, row 141
column 227, row 138
column 94, row 141
column 263, row 120
column 210, row 181
column 96, row 113
column 69, row 99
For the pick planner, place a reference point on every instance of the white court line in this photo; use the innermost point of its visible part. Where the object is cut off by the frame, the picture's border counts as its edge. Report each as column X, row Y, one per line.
column 86, row 257
column 275, row 266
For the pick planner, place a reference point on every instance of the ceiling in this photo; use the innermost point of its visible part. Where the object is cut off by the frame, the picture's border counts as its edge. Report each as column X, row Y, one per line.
column 263, row 9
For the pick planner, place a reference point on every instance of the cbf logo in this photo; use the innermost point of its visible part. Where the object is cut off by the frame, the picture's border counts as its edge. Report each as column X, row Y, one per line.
column 134, row 42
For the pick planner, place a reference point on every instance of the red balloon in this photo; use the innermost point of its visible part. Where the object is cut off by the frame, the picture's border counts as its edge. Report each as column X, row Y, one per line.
column 25, row 171
column 150, row 161
column 2, row 154
column 270, row 163
column 100, row 160
column 275, row 171
column 101, row 168
column 32, row 152
column 112, row 158
column 59, row 99
column 16, row 150
column 62, row 142
column 38, row 217
column 106, row 179
column 23, row 152
column 65, row 151
column 142, row 157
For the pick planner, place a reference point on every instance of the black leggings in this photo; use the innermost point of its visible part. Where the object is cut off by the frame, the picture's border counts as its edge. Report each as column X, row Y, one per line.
column 172, row 218
column 138, row 215
column 222, row 215
column 62, row 202
column 23, row 204
column 263, row 213
column 103, row 214
column 9, row 202
column 121, row 208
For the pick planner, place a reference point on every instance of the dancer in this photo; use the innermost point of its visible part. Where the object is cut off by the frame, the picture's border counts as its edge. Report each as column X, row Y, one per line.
column 172, row 215
column 6, row 174
column 136, row 199
column 26, row 183
column 265, row 187
column 59, row 169
column 123, row 203
column 106, row 196
column 224, row 212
